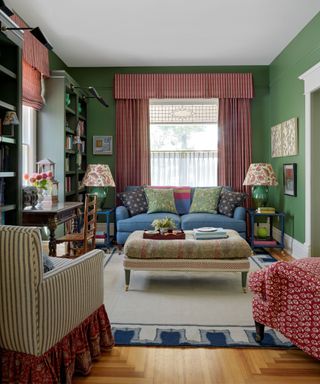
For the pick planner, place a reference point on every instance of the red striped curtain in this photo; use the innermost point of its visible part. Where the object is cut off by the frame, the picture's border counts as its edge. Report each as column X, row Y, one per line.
column 132, row 143
column 234, row 91
column 35, row 62
column 234, row 144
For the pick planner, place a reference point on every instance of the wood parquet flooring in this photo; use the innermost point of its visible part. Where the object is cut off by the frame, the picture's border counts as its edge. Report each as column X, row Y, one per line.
column 150, row 365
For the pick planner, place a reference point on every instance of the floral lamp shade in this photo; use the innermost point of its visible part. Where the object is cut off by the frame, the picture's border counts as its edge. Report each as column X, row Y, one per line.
column 98, row 175
column 260, row 174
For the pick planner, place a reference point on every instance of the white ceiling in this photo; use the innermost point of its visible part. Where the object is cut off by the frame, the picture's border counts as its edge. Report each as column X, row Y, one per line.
column 167, row 32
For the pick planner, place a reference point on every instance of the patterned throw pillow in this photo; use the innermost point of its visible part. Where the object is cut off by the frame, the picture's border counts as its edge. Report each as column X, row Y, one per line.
column 229, row 201
column 135, row 201
column 160, row 200
column 205, row 200
column 47, row 264
column 182, row 197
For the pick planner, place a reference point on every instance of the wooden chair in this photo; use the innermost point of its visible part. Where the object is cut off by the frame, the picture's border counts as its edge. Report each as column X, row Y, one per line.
column 80, row 243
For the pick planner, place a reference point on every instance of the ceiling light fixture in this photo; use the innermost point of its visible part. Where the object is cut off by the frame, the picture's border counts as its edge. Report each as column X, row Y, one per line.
column 94, row 93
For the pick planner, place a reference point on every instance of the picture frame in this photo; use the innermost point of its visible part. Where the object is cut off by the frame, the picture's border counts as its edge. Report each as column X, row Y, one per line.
column 290, row 179
column 102, row 145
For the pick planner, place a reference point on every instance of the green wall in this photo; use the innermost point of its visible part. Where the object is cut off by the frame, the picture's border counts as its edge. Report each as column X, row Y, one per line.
column 56, row 63
column 102, row 120
column 287, row 101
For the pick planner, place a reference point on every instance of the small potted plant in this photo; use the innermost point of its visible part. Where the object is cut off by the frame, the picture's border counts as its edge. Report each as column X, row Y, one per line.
column 163, row 225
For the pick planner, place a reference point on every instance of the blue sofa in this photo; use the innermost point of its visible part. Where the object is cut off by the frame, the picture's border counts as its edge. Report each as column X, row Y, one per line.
column 126, row 224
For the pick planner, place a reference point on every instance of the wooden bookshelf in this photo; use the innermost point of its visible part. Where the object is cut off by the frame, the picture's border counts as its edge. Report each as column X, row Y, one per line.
column 61, row 117
column 10, row 146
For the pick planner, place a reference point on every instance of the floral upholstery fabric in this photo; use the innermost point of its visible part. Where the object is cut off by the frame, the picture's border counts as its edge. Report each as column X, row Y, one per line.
column 229, row 201
column 205, row 200
column 135, row 201
column 287, row 298
column 233, row 247
column 160, row 200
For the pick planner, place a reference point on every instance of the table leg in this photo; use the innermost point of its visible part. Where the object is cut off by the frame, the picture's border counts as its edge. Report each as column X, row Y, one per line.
column 52, row 225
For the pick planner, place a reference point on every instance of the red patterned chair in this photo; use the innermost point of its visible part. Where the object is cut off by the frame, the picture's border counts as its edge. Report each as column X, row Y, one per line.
column 287, row 298
column 51, row 324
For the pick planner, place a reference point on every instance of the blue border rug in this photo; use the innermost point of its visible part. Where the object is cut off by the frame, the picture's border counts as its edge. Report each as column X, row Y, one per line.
column 203, row 336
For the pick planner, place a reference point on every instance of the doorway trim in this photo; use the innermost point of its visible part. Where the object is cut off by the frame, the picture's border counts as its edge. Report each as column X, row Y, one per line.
column 311, row 80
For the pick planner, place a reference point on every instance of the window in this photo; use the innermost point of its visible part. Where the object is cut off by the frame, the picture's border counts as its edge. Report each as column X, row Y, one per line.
column 183, row 142
column 29, row 119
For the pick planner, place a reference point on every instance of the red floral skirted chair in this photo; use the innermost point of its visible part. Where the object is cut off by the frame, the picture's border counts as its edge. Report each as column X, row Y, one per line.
column 287, row 298
column 51, row 324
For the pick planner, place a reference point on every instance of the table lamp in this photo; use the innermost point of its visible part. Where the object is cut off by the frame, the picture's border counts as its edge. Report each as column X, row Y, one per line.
column 260, row 176
column 98, row 178
column 9, row 121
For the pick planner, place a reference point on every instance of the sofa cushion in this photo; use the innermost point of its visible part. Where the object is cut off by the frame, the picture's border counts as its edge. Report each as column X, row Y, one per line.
column 143, row 221
column 229, row 201
column 182, row 197
column 134, row 200
column 205, row 200
column 197, row 220
column 160, row 200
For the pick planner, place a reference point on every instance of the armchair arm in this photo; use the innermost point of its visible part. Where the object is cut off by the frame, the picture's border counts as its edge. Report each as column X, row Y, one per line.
column 122, row 213
column 67, row 296
column 239, row 213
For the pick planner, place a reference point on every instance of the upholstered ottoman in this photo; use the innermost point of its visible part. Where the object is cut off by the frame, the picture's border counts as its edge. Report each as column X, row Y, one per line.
column 226, row 255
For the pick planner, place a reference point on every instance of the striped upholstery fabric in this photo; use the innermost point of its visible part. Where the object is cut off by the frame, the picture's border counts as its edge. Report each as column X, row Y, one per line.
column 37, row 310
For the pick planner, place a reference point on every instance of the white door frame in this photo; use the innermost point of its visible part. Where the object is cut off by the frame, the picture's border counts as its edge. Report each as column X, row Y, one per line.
column 311, row 80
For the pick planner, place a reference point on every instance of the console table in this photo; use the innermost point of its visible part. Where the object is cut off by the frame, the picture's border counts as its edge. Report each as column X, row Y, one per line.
column 51, row 217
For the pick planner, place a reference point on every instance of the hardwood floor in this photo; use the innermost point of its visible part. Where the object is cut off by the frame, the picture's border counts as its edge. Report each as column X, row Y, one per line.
column 150, row 365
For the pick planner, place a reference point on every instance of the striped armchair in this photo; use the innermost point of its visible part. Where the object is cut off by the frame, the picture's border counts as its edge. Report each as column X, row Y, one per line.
column 53, row 323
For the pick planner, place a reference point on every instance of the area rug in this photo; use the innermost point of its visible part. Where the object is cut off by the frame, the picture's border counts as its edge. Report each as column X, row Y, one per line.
column 197, row 309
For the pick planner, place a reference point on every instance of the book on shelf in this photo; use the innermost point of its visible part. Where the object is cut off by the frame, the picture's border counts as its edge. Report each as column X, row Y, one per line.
column 80, row 128
column 266, row 243
column 4, row 157
column 270, row 210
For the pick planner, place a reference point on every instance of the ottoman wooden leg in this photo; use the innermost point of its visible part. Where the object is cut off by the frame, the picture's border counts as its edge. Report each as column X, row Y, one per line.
column 127, row 275
column 244, row 281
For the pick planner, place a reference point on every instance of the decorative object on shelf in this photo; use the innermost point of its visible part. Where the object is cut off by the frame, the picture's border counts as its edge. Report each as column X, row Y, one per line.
column 68, row 100
column 30, row 196
column 284, row 138
column 163, row 225
column 79, row 108
column 260, row 176
column 102, row 145
column 9, row 121
column 47, row 166
column 262, row 232
column 77, row 142
column 290, row 179
column 98, row 178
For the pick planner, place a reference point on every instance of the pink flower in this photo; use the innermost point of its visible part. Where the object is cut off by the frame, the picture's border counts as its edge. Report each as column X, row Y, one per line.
column 50, row 175
column 26, row 176
column 39, row 177
column 44, row 175
column 32, row 179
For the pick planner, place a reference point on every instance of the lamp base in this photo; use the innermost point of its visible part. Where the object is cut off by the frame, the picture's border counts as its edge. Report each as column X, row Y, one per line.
column 101, row 193
column 259, row 195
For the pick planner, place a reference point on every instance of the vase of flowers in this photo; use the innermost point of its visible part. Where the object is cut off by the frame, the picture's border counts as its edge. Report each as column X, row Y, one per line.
column 43, row 183
column 163, row 225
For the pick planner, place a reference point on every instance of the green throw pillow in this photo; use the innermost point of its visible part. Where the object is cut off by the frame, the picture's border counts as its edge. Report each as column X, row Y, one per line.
column 160, row 200
column 205, row 200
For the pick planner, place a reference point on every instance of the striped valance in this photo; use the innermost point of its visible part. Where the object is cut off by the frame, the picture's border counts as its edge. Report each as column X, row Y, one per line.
column 187, row 85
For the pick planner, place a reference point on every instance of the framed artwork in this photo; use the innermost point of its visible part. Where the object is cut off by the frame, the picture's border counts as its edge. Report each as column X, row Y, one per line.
column 102, row 145
column 284, row 138
column 290, row 179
